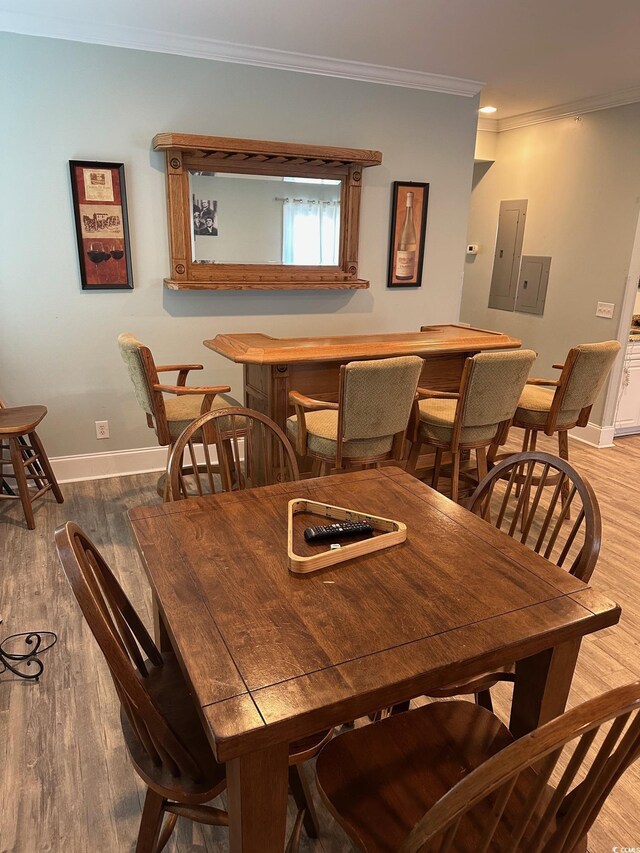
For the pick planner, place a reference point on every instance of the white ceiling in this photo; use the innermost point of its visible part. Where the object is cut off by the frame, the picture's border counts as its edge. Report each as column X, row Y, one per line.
column 532, row 54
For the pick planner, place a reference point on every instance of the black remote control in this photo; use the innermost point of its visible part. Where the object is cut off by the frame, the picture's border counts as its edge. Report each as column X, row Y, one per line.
column 340, row 530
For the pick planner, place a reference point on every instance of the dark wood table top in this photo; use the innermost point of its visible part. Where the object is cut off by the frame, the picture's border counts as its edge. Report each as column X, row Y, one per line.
column 256, row 348
column 272, row 656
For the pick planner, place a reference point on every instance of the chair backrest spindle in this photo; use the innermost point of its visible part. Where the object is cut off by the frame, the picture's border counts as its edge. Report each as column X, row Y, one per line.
column 251, row 451
column 508, row 800
column 517, row 494
column 123, row 640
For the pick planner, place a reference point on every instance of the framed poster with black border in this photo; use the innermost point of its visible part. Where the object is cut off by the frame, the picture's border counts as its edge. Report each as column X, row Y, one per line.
column 102, row 225
column 409, row 204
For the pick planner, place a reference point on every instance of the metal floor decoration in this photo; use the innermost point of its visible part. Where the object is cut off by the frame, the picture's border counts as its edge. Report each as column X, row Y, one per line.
column 19, row 653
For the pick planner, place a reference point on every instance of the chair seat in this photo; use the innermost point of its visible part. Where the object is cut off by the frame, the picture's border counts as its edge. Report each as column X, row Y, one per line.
column 436, row 423
column 379, row 780
column 184, row 409
column 534, row 405
column 18, row 420
column 322, row 432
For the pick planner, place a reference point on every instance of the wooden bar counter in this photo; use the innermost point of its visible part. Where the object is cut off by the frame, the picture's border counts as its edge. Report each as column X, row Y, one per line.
column 275, row 366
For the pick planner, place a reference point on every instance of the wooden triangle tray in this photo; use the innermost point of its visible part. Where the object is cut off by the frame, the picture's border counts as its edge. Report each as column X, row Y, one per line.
column 394, row 532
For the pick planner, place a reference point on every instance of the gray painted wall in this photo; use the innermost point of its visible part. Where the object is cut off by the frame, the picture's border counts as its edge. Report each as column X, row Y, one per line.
column 582, row 180
column 62, row 100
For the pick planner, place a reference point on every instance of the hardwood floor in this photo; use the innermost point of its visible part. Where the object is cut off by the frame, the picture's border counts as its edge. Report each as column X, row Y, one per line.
column 66, row 784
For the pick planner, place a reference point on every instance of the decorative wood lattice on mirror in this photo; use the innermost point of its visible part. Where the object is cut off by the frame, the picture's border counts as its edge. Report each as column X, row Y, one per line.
column 222, row 158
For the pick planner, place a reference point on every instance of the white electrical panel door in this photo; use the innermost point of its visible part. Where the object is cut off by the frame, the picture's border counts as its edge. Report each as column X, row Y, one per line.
column 506, row 260
column 532, row 284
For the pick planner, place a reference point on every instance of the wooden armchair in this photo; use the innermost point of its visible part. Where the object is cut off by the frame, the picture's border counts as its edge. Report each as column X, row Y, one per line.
column 169, row 417
column 473, row 418
column 367, row 425
column 558, row 405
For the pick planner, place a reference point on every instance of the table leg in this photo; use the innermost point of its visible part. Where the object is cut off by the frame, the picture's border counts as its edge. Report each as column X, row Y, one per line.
column 160, row 633
column 542, row 686
column 257, row 788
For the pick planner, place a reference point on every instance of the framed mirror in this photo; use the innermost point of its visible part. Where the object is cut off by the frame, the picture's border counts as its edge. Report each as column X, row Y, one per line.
column 247, row 214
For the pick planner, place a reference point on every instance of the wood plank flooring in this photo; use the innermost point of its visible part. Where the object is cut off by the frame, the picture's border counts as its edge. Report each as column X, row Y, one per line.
column 66, row 785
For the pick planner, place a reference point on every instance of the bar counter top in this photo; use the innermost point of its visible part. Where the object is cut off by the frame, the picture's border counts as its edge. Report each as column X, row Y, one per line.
column 257, row 348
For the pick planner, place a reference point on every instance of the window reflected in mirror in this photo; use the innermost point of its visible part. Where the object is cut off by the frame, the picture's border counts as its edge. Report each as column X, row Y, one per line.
column 264, row 219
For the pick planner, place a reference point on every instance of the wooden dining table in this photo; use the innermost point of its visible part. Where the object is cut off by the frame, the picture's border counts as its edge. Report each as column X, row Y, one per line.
column 271, row 657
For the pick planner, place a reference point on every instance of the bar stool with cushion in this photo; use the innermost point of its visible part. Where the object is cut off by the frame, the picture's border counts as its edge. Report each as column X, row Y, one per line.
column 26, row 459
column 476, row 416
column 450, row 777
column 550, row 406
column 367, row 425
column 169, row 417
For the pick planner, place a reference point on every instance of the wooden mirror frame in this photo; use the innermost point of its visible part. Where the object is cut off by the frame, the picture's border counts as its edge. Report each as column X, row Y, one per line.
column 187, row 152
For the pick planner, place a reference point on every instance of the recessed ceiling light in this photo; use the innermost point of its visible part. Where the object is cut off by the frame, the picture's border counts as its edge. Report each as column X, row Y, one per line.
column 488, row 109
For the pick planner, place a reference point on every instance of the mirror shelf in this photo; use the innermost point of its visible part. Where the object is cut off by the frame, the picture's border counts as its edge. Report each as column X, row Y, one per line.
column 190, row 155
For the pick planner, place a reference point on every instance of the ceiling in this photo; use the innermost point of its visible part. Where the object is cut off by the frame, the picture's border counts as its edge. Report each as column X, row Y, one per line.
column 531, row 54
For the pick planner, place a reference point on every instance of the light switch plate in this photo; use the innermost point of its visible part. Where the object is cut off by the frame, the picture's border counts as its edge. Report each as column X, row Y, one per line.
column 605, row 309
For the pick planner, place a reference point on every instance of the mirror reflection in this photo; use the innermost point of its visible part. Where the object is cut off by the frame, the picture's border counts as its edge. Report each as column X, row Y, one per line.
column 264, row 219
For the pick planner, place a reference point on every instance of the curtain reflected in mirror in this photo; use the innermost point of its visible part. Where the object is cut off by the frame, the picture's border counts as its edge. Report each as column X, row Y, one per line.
column 310, row 232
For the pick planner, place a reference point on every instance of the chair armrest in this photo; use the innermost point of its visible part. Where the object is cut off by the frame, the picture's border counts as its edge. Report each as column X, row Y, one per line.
column 309, row 403
column 181, row 390
column 552, row 383
column 558, row 366
column 425, row 393
column 301, row 404
column 183, row 370
column 209, row 392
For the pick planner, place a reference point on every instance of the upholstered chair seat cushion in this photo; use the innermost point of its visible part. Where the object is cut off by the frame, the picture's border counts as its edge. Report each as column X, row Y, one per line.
column 322, row 432
column 184, row 409
column 436, row 423
column 534, row 405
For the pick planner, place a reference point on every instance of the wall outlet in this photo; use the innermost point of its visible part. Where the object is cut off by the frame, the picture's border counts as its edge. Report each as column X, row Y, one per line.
column 102, row 429
column 605, row 309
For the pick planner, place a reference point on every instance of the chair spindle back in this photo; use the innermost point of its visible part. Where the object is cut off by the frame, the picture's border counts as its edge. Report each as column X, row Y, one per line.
column 251, row 451
column 516, row 498
column 507, row 804
column 124, row 642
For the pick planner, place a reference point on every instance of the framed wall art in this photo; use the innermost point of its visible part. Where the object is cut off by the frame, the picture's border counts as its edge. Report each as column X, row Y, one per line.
column 102, row 226
column 408, row 229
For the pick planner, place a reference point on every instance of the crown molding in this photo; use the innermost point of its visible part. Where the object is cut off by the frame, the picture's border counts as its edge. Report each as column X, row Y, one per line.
column 573, row 108
column 156, row 41
column 486, row 123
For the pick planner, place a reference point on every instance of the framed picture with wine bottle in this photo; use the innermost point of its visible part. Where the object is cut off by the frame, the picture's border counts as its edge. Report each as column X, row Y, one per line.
column 102, row 225
column 408, row 229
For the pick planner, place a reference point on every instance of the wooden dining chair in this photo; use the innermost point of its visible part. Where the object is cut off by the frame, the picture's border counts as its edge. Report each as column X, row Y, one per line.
column 251, row 450
column 169, row 416
column 515, row 498
column 163, row 733
column 475, row 417
column 367, row 425
column 450, row 777
column 23, row 459
column 554, row 406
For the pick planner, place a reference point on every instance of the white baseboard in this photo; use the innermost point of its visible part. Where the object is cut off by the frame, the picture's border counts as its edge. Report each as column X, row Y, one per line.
column 119, row 463
column 594, row 435
column 143, row 460
column 114, row 463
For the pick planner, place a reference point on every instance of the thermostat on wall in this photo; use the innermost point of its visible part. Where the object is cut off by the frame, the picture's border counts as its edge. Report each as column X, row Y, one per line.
column 472, row 249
